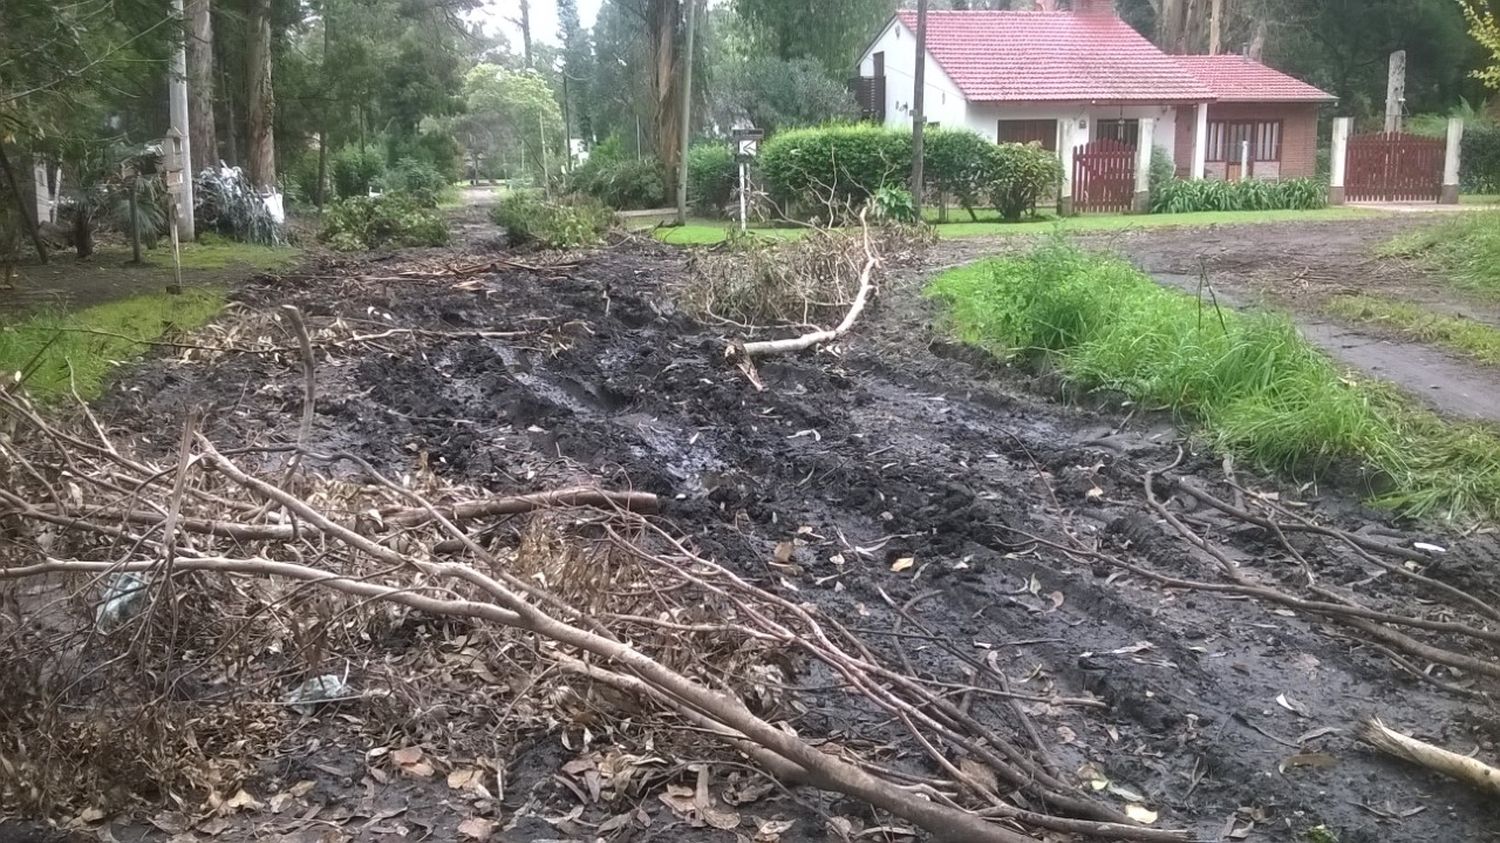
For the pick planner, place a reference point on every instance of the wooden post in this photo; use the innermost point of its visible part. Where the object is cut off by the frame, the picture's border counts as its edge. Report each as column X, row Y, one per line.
column 919, row 110
column 1395, row 92
column 1144, row 145
column 1451, row 161
column 1338, row 163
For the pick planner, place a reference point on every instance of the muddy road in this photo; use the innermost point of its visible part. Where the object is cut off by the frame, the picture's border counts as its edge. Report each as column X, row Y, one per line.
column 899, row 467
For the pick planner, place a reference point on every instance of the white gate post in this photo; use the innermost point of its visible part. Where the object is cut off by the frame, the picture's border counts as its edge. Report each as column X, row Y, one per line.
column 1065, row 152
column 1145, row 143
column 1452, row 160
column 1200, row 142
column 1338, row 162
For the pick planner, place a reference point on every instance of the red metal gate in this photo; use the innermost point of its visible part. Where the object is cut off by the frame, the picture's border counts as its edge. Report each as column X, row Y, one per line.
column 1103, row 176
column 1394, row 167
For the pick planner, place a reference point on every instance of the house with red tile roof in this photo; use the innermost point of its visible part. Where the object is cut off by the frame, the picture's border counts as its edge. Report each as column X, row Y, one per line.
column 1066, row 78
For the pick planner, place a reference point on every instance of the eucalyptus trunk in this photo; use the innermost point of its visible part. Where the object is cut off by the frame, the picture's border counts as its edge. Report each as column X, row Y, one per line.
column 261, row 102
column 200, row 78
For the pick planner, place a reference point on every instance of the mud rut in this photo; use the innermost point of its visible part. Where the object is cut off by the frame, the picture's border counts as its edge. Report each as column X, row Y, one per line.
column 905, row 448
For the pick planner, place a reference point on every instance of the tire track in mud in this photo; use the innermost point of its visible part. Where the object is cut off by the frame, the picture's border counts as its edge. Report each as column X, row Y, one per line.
column 906, row 453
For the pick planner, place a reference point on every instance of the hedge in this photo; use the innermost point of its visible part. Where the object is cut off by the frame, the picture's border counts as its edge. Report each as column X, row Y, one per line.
column 1481, row 159
column 713, row 176
column 623, row 184
column 804, row 168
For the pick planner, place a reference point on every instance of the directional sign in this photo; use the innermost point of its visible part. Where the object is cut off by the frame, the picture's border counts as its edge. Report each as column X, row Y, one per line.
column 747, row 143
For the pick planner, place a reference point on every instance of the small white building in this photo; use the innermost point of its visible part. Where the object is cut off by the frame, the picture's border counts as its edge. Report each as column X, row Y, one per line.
column 1066, row 78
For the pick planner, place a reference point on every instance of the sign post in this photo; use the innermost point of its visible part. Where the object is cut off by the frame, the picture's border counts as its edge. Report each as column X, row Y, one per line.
column 174, row 162
column 746, row 147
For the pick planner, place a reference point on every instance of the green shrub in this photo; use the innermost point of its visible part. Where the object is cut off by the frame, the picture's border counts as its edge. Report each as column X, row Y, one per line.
column 1256, row 387
column 958, row 163
column 895, row 204
column 1481, row 159
column 1018, row 175
column 1163, row 171
column 417, row 180
column 355, row 171
column 804, row 168
column 364, row 222
column 1181, row 196
column 531, row 219
column 622, row 184
column 713, row 176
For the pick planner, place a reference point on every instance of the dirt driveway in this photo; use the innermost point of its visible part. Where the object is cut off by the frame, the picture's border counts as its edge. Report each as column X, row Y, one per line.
column 1230, row 716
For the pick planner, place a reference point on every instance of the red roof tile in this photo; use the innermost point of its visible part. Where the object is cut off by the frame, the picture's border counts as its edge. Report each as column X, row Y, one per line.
column 1239, row 79
column 1053, row 57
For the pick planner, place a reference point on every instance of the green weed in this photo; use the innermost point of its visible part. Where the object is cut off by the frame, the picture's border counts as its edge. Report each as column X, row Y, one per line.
column 54, row 354
column 1250, row 382
column 1465, row 246
column 1466, row 336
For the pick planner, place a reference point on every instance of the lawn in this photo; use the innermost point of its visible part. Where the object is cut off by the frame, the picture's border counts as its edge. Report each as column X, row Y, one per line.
column 704, row 232
column 1465, row 336
column 1479, row 199
column 1249, row 382
column 54, row 353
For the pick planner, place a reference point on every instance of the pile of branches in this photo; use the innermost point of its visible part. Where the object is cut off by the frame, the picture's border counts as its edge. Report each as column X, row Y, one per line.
column 133, row 581
column 754, row 284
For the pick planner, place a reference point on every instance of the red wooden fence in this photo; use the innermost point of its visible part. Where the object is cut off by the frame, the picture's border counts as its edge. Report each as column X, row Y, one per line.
column 1103, row 176
column 1394, row 167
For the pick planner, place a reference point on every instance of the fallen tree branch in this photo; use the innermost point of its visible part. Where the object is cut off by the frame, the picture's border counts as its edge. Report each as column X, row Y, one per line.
column 1468, row 770
column 765, row 348
column 644, row 503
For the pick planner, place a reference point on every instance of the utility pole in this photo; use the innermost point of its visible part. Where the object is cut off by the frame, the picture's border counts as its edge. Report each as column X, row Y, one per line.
column 1395, row 92
column 178, row 106
column 687, row 113
column 1216, row 28
column 918, row 109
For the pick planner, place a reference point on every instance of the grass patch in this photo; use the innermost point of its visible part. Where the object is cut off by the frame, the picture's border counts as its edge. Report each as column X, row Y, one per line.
column 700, row 232
column 1479, row 199
column 53, row 351
column 213, row 253
column 1249, row 381
column 1464, row 246
column 1466, row 336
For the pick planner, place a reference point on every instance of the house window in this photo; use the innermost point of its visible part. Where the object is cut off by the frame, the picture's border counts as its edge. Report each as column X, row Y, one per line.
column 1227, row 137
column 1127, row 132
column 1043, row 132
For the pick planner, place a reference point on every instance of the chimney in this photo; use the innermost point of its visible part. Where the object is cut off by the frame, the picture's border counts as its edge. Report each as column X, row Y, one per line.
column 1094, row 7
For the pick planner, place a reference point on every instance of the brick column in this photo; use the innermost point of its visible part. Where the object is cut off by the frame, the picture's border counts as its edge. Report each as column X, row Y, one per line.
column 1339, row 160
column 1451, row 163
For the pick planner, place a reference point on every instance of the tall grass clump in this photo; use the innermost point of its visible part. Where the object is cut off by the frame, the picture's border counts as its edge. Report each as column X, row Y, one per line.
column 1252, row 384
column 1466, row 246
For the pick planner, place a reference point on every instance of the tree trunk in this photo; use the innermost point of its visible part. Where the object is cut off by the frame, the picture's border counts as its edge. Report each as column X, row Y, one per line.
column 26, row 217
column 261, row 102
column 662, row 18
column 525, row 22
column 200, row 76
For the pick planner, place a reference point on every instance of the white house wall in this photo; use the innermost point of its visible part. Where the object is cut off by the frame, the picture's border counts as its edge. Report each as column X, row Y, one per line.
column 945, row 105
